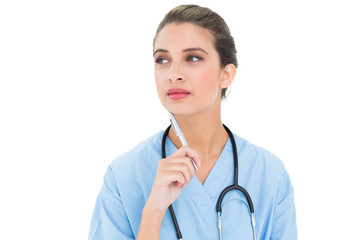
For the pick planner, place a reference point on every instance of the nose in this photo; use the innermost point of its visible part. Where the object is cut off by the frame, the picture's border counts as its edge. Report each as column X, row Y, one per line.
column 175, row 73
column 176, row 77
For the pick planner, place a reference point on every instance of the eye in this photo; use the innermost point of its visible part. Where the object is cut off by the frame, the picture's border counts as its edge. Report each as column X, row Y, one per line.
column 161, row 60
column 193, row 58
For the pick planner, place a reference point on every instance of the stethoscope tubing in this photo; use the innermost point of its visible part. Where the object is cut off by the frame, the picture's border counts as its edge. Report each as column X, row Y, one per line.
column 234, row 186
column 171, row 209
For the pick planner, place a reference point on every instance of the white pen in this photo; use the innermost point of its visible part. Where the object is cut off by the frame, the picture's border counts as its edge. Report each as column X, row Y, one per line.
column 180, row 134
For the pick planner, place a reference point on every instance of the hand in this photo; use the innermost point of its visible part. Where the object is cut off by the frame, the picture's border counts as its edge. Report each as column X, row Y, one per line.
column 173, row 174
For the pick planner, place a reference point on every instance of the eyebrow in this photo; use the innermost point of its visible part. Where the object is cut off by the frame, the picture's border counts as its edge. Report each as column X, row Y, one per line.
column 185, row 50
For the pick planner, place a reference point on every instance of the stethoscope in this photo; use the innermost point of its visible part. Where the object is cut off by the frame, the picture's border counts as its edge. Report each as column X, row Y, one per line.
column 234, row 186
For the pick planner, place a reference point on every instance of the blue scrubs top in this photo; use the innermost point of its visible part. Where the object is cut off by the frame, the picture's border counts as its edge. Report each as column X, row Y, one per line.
column 129, row 179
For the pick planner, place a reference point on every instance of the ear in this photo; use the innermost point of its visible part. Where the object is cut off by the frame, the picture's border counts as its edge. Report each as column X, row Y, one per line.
column 228, row 75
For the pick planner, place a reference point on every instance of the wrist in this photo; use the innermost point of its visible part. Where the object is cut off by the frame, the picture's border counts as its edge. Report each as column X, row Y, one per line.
column 153, row 213
column 150, row 225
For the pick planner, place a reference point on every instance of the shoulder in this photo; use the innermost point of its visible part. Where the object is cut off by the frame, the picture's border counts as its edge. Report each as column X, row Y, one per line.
column 137, row 155
column 138, row 164
column 263, row 170
column 266, row 171
column 257, row 156
column 129, row 177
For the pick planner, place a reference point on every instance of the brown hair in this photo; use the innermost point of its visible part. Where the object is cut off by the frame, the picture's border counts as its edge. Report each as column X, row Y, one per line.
column 208, row 19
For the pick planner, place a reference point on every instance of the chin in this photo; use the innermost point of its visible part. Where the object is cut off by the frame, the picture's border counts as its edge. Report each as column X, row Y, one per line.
column 179, row 110
column 187, row 108
column 184, row 111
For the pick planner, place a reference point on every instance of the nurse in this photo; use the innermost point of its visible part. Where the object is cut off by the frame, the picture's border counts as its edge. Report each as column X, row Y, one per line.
column 195, row 61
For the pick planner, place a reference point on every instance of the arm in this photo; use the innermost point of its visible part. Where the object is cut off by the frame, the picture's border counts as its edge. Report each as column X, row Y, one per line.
column 109, row 219
column 284, row 227
column 173, row 174
column 150, row 224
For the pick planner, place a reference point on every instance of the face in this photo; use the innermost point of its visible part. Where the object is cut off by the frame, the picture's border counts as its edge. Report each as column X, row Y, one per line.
column 188, row 73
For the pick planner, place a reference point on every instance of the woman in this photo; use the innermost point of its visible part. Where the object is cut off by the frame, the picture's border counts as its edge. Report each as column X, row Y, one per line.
column 195, row 62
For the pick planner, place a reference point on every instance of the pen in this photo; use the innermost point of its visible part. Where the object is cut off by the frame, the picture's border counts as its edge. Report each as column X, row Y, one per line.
column 180, row 134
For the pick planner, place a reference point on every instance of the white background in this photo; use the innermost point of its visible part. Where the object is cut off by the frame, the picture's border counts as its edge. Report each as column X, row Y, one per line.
column 76, row 86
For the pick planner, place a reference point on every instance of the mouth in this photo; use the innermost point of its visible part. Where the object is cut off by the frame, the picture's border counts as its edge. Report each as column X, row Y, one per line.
column 177, row 93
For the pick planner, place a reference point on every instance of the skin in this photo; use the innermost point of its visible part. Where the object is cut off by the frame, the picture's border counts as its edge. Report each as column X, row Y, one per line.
column 185, row 57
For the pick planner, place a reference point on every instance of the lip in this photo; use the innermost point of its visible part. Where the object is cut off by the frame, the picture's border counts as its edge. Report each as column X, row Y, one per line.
column 177, row 93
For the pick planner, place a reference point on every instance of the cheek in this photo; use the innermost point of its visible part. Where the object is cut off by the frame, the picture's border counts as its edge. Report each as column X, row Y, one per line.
column 158, row 79
column 209, row 80
column 160, row 84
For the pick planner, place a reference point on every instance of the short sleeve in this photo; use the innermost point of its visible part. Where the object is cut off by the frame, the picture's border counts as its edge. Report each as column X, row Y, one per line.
column 284, row 227
column 109, row 221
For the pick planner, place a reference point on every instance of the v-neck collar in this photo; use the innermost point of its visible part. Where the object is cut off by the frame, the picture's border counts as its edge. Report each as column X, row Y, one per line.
column 205, row 196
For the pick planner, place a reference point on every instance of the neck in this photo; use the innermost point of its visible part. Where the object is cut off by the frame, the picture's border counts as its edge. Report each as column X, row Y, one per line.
column 204, row 132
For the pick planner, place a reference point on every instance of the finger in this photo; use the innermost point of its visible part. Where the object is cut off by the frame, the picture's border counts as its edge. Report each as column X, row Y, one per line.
column 171, row 176
column 185, row 167
column 179, row 160
column 182, row 164
column 187, row 151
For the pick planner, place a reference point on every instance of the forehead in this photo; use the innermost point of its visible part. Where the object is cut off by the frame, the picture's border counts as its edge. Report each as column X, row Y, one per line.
column 184, row 35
